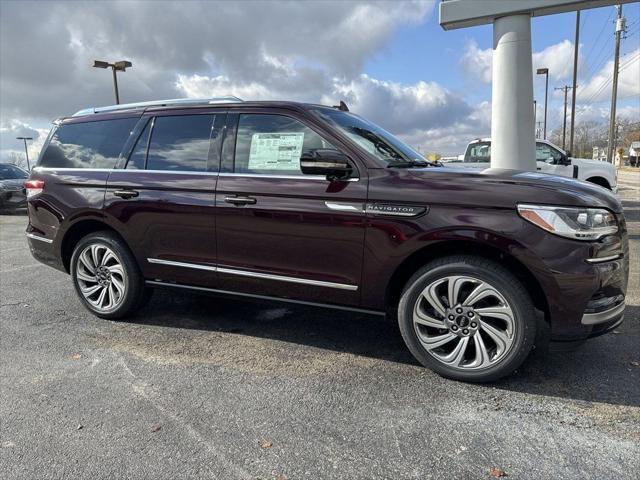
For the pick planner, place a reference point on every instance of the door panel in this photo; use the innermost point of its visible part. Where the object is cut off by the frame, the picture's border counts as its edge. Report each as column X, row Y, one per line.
column 291, row 232
column 163, row 200
column 292, row 235
column 171, row 219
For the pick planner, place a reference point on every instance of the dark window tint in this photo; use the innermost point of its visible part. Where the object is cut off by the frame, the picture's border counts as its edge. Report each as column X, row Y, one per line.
column 273, row 144
column 11, row 172
column 139, row 154
column 88, row 145
column 180, row 143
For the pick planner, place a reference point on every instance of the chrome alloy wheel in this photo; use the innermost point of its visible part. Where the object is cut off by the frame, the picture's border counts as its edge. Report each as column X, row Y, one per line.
column 464, row 322
column 101, row 277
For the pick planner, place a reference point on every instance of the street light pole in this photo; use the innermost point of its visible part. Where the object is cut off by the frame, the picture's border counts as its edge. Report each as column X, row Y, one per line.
column 26, row 151
column 120, row 66
column 545, row 72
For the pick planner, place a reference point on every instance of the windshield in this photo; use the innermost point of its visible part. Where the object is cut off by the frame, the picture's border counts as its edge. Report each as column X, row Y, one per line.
column 370, row 136
column 11, row 172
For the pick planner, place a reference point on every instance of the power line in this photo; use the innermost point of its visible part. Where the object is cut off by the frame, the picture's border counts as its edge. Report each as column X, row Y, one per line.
column 609, row 79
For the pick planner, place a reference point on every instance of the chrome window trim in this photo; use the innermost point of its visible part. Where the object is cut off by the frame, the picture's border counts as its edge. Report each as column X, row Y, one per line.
column 122, row 170
column 284, row 177
column 264, row 297
column 33, row 236
column 604, row 259
column 246, row 273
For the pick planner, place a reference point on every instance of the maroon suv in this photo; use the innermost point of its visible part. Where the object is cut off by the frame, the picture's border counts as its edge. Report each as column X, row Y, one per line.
column 312, row 204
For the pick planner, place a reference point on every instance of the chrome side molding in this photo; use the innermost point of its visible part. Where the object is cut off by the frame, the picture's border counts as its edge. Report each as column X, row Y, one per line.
column 246, row 273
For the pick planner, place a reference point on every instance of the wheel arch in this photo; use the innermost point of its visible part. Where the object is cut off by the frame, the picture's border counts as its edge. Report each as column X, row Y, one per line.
column 599, row 180
column 424, row 255
column 76, row 232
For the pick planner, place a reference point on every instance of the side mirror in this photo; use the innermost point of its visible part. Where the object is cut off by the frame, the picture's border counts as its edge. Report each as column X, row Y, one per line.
column 565, row 159
column 325, row 161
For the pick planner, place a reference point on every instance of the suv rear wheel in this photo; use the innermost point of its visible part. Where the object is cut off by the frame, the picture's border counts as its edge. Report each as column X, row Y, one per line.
column 467, row 318
column 106, row 276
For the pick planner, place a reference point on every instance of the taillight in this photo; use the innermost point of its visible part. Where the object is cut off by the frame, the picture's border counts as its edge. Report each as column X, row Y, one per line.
column 33, row 187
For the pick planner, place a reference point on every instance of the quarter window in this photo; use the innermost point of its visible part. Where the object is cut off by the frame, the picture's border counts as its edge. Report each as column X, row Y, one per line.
column 139, row 155
column 180, row 143
column 87, row 145
column 273, row 144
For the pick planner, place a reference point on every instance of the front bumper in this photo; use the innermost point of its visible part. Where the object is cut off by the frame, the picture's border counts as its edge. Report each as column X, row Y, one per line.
column 610, row 315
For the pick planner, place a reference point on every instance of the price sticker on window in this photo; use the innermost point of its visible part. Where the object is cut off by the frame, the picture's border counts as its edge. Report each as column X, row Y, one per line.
column 276, row 151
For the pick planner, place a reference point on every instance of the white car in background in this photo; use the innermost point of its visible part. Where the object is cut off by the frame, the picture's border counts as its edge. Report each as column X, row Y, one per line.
column 550, row 159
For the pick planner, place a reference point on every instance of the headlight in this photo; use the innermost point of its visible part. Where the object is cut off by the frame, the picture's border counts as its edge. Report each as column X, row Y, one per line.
column 571, row 222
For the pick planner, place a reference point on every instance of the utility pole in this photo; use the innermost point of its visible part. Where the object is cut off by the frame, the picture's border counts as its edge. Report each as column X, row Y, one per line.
column 565, row 89
column 576, row 46
column 620, row 27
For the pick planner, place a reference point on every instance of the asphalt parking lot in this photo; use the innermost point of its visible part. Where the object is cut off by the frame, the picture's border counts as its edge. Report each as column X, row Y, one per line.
column 210, row 387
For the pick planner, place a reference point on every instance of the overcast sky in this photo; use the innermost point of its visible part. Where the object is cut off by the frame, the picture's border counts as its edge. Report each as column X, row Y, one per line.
column 390, row 61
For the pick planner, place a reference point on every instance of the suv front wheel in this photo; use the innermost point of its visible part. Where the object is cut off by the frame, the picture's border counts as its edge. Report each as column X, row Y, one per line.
column 106, row 276
column 467, row 318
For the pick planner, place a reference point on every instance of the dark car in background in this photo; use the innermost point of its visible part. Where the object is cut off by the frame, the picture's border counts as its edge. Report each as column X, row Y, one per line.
column 12, row 191
column 313, row 204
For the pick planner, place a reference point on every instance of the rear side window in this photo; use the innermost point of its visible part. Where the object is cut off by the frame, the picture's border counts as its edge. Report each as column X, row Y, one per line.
column 180, row 143
column 478, row 152
column 88, row 145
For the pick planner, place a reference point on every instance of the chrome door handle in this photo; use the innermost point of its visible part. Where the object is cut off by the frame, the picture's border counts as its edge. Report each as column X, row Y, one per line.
column 126, row 194
column 240, row 200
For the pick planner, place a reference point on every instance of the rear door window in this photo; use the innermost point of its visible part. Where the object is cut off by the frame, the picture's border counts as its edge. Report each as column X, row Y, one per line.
column 478, row 153
column 87, row 145
column 180, row 143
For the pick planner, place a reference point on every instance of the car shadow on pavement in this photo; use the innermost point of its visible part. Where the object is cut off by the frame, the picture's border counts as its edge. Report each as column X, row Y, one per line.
column 604, row 369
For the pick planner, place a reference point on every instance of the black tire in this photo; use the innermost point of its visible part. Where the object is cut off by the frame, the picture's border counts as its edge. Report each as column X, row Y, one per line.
column 503, row 282
column 135, row 293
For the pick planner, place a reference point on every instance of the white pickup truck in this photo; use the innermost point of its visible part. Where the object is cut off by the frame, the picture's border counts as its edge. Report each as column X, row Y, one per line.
column 550, row 159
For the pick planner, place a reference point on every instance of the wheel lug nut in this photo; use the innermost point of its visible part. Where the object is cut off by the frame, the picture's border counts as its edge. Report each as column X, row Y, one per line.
column 470, row 314
column 465, row 331
column 459, row 310
column 474, row 324
column 454, row 328
column 451, row 317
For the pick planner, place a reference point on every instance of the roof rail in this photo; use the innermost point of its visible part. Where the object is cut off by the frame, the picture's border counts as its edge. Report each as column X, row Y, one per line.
column 158, row 103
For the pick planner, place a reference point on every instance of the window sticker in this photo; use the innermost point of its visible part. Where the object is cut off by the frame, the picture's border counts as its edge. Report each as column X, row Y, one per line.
column 276, row 151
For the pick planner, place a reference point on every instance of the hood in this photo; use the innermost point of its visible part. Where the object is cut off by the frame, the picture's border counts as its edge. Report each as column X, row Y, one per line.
column 591, row 161
column 501, row 188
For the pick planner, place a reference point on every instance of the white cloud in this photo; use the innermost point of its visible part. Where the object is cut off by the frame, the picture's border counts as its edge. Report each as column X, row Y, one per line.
column 558, row 58
column 598, row 88
column 477, row 62
column 12, row 147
